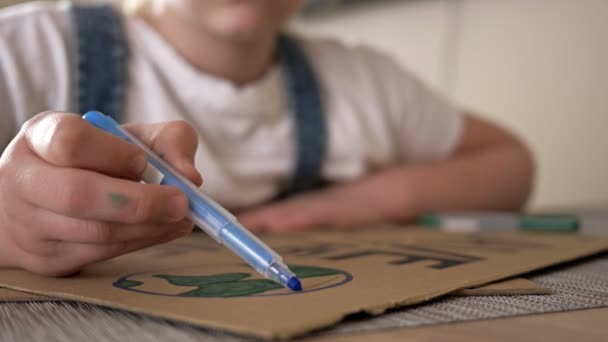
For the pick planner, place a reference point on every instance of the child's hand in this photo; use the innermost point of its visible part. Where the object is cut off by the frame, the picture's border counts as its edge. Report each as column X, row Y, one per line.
column 343, row 206
column 69, row 194
column 302, row 212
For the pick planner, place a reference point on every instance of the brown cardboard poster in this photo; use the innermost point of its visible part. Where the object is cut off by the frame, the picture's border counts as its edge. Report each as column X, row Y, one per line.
column 510, row 287
column 197, row 281
column 7, row 295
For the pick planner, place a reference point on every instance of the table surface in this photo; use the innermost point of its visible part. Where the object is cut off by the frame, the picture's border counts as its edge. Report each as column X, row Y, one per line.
column 579, row 285
column 477, row 318
column 580, row 325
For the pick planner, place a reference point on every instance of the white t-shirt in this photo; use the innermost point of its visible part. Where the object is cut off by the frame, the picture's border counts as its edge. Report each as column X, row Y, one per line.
column 377, row 114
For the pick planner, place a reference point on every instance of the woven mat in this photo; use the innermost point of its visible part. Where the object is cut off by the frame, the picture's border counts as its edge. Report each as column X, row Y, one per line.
column 576, row 286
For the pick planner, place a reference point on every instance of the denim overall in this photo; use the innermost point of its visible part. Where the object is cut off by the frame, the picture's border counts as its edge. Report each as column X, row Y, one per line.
column 102, row 57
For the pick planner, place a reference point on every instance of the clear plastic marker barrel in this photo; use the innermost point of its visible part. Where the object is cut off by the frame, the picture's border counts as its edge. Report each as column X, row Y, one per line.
column 206, row 213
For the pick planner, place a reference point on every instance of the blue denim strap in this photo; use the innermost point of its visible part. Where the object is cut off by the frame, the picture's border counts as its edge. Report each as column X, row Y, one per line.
column 309, row 121
column 101, row 58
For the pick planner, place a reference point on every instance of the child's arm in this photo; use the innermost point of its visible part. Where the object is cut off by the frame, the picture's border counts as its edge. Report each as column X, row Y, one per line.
column 68, row 196
column 490, row 169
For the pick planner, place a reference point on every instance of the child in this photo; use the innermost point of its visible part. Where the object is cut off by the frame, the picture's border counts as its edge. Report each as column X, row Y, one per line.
column 289, row 133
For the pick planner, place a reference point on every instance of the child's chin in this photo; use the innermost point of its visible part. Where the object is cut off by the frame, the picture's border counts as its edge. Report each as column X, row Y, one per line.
column 243, row 31
column 242, row 23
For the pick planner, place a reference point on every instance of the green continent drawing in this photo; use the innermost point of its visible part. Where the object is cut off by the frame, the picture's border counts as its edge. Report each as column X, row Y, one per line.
column 237, row 284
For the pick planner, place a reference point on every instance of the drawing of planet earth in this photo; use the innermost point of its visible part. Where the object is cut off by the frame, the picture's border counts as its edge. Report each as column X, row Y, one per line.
column 225, row 281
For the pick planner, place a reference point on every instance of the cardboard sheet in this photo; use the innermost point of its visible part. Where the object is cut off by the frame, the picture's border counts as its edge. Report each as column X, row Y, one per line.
column 7, row 295
column 510, row 287
column 196, row 281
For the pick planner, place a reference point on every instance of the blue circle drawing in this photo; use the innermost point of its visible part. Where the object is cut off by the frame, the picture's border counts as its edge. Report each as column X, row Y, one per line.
column 230, row 284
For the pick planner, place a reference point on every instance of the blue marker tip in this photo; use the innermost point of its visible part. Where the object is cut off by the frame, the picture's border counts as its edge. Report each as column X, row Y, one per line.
column 294, row 284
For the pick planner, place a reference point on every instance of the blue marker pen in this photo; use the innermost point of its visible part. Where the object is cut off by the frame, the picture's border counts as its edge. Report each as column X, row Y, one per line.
column 206, row 213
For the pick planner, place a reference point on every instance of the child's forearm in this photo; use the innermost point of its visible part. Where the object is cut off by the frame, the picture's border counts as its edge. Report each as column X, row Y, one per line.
column 490, row 170
column 498, row 178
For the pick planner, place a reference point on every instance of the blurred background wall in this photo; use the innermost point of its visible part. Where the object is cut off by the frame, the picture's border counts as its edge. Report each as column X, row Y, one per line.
column 538, row 67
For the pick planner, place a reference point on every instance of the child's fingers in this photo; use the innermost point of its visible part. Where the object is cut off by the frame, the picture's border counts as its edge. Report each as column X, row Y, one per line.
column 85, row 254
column 67, row 140
column 175, row 141
column 256, row 220
column 73, row 256
column 290, row 215
column 92, row 196
column 51, row 226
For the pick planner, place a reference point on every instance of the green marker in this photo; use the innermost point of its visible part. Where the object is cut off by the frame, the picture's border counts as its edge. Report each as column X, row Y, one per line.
column 499, row 221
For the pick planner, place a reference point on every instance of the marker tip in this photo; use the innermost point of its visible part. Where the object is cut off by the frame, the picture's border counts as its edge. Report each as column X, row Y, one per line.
column 294, row 284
